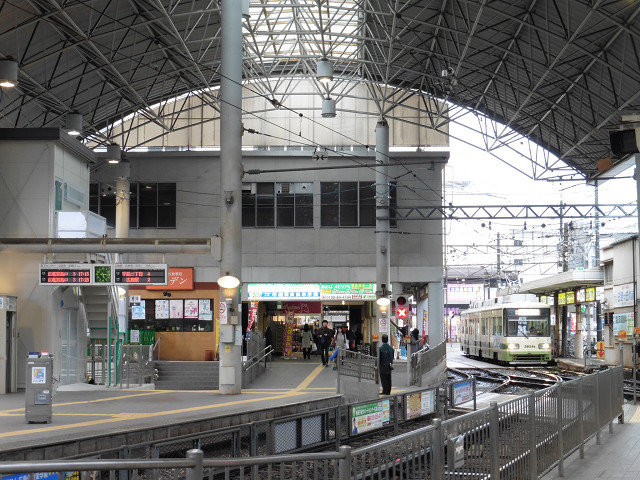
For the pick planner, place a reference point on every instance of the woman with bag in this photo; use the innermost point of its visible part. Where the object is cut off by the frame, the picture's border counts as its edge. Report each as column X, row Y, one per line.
column 340, row 340
column 307, row 341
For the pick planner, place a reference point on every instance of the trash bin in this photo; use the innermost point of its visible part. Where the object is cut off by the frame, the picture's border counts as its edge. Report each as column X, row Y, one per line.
column 38, row 393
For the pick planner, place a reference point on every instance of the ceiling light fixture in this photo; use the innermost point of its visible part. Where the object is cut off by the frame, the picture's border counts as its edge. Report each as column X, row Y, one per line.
column 324, row 70
column 328, row 107
column 8, row 73
column 73, row 124
column 113, row 153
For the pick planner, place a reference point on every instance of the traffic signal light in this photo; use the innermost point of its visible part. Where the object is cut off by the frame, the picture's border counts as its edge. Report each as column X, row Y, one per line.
column 401, row 312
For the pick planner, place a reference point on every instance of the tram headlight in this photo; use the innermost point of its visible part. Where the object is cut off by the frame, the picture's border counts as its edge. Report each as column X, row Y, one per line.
column 544, row 346
column 514, row 346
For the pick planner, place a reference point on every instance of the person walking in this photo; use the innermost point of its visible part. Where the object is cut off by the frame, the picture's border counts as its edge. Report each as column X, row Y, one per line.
column 340, row 340
column 351, row 339
column 385, row 359
column 325, row 336
column 307, row 341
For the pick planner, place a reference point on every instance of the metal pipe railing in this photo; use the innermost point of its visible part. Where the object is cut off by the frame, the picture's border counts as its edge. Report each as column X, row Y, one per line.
column 521, row 438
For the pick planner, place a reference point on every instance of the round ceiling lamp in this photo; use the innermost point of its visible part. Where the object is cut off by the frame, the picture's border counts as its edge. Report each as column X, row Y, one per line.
column 8, row 73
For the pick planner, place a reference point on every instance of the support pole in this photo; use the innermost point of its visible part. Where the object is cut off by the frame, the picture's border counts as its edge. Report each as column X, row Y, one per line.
column 383, row 254
column 231, row 187
column 123, row 187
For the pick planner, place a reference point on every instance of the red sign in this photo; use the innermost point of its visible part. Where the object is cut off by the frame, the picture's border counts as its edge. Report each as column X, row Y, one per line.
column 300, row 308
column 178, row 279
column 401, row 312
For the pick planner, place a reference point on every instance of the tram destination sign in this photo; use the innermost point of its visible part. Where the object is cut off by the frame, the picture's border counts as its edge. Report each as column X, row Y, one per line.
column 140, row 274
column 66, row 274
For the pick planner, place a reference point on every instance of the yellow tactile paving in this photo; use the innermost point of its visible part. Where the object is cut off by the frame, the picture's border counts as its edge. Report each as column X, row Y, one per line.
column 59, row 409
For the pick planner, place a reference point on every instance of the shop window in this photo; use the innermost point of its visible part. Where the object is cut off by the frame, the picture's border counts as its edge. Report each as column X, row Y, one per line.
column 175, row 315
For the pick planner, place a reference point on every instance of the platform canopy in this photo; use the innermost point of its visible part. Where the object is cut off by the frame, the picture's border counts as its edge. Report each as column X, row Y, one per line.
column 560, row 72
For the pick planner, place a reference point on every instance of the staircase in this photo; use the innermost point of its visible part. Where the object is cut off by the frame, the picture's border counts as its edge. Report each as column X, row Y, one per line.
column 101, row 313
column 96, row 305
column 173, row 375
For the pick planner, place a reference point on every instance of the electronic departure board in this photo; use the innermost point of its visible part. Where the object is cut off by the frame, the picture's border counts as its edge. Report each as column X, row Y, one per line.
column 65, row 274
column 140, row 274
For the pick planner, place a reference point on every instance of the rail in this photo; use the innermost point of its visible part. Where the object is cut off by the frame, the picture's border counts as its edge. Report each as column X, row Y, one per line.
column 356, row 364
column 136, row 365
column 424, row 360
column 522, row 438
column 156, row 345
column 252, row 368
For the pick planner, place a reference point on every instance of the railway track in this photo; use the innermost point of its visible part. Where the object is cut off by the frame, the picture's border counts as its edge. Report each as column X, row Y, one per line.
column 508, row 380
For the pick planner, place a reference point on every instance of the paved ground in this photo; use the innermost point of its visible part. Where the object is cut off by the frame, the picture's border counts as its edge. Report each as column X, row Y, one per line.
column 82, row 409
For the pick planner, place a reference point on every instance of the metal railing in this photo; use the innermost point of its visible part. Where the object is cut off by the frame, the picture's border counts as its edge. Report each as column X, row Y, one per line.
column 424, row 360
column 156, row 346
column 523, row 438
column 356, row 364
column 136, row 365
column 252, row 368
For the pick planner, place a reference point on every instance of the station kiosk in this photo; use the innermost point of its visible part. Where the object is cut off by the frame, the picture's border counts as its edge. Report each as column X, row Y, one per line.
column 38, row 392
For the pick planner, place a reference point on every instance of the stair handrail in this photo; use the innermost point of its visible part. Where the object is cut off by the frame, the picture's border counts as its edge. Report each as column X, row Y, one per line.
column 156, row 345
column 265, row 353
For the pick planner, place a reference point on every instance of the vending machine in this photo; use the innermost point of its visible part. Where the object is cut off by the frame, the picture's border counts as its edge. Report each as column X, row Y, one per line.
column 38, row 393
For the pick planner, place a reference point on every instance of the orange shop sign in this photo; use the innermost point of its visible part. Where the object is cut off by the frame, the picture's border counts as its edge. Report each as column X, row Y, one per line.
column 178, row 278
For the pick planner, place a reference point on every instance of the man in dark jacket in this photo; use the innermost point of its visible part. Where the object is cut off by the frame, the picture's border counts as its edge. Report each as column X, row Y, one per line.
column 385, row 359
column 325, row 335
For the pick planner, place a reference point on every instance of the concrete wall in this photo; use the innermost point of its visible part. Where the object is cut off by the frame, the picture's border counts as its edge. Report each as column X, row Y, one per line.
column 28, row 173
column 294, row 254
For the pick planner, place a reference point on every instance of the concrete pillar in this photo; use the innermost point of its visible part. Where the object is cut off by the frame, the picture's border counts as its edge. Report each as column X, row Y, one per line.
column 436, row 313
column 383, row 254
column 637, row 177
column 123, row 199
column 231, row 188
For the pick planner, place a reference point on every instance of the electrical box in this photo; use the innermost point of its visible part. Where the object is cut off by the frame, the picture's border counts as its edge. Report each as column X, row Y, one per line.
column 38, row 392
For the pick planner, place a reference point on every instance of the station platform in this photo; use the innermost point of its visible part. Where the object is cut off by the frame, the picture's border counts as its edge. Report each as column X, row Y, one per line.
column 86, row 413
column 106, row 417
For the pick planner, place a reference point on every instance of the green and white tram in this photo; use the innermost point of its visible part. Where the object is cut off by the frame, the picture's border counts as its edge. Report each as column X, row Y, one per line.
column 514, row 333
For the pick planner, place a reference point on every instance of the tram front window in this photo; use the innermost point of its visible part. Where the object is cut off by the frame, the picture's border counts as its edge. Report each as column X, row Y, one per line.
column 527, row 322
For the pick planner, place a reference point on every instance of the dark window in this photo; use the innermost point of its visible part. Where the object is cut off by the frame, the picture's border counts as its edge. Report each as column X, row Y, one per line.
column 353, row 204
column 367, row 204
column 330, row 204
column 348, row 204
column 266, row 204
column 152, row 205
column 102, row 201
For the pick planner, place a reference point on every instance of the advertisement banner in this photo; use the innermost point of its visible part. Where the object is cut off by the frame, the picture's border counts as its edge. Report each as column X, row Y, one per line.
column 370, row 416
column 287, row 340
column 464, row 293
column 462, row 392
column 623, row 295
column 253, row 314
column 420, row 403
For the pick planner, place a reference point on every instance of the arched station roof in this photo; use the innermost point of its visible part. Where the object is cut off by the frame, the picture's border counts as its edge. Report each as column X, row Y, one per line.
column 560, row 72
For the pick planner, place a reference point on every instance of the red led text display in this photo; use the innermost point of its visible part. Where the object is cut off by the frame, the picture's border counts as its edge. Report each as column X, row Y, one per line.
column 140, row 276
column 65, row 276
